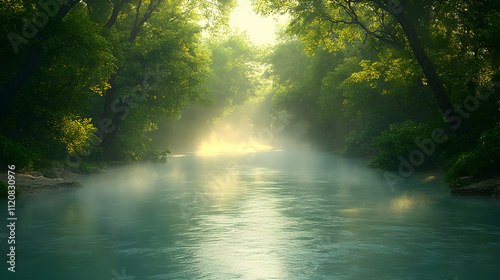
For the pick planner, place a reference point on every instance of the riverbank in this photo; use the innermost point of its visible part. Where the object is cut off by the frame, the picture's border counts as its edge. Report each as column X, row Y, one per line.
column 33, row 182
column 51, row 179
column 467, row 186
column 487, row 187
column 54, row 178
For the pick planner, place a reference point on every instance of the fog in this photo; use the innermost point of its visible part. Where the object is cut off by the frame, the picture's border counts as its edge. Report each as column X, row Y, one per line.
column 258, row 213
column 251, row 127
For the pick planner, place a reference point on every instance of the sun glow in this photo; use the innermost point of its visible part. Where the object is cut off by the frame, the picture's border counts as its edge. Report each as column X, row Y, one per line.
column 259, row 29
column 178, row 156
column 212, row 148
column 215, row 146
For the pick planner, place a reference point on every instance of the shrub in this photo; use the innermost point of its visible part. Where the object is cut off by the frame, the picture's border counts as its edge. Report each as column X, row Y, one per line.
column 91, row 167
column 482, row 159
column 12, row 152
column 135, row 147
column 398, row 140
column 357, row 144
column 75, row 133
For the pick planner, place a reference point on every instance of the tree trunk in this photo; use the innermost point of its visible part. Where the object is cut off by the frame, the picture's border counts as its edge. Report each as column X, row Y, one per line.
column 433, row 79
column 109, row 98
column 133, row 34
column 114, row 15
column 108, row 141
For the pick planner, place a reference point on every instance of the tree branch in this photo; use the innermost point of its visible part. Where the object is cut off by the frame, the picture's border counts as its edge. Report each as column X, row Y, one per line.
column 347, row 7
column 138, row 24
column 116, row 10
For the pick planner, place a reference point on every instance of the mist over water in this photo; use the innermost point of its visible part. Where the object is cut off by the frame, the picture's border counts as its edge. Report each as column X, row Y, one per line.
column 267, row 215
column 245, row 118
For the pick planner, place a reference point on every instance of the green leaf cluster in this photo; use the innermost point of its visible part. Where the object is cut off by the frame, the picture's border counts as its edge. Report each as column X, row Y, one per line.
column 398, row 140
column 482, row 160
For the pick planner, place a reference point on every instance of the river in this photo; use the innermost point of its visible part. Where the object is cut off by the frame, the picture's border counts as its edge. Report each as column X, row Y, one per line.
column 271, row 215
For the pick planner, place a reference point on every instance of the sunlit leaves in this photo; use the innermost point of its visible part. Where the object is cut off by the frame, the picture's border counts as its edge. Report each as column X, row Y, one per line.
column 335, row 25
column 75, row 132
column 100, row 89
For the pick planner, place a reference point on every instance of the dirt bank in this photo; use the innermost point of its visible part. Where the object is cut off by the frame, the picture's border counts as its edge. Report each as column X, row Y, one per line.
column 32, row 182
column 489, row 187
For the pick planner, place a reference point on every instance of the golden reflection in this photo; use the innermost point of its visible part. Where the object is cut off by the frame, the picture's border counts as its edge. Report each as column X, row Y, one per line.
column 406, row 203
column 428, row 179
column 178, row 156
column 352, row 210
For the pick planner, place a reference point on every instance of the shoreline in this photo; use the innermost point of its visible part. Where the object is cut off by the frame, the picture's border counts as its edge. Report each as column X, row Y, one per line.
column 486, row 187
column 35, row 181
column 65, row 178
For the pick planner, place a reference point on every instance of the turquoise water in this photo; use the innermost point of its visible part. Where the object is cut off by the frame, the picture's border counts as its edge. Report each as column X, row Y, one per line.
column 272, row 215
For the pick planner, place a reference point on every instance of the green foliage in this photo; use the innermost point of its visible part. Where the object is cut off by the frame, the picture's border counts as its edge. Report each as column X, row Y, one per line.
column 4, row 190
column 359, row 86
column 232, row 80
column 154, row 50
column 75, row 133
column 75, row 66
column 358, row 144
column 163, row 67
column 12, row 152
column 333, row 69
column 89, row 167
column 233, row 73
column 483, row 159
column 398, row 140
column 342, row 95
column 134, row 145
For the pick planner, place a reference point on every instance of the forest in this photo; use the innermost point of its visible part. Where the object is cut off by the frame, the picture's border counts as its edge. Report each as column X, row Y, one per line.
column 410, row 85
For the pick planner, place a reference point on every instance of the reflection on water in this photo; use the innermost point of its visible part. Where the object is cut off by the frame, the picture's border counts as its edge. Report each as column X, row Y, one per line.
column 273, row 215
column 405, row 202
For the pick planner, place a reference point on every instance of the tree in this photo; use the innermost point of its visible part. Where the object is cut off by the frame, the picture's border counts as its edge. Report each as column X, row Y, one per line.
column 337, row 23
column 233, row 72
column 49, row 114
column 156, row 21
column 232, row 80
column 34, row 49
column 135, row 61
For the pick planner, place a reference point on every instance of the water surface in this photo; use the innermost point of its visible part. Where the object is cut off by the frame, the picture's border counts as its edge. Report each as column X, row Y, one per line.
column 272, row 215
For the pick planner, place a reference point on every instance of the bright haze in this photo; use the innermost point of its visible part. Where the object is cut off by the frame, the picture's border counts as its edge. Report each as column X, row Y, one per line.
column 260, row 29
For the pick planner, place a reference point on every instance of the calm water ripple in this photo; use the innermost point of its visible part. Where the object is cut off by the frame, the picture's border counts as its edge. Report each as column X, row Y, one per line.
column 272, row 216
